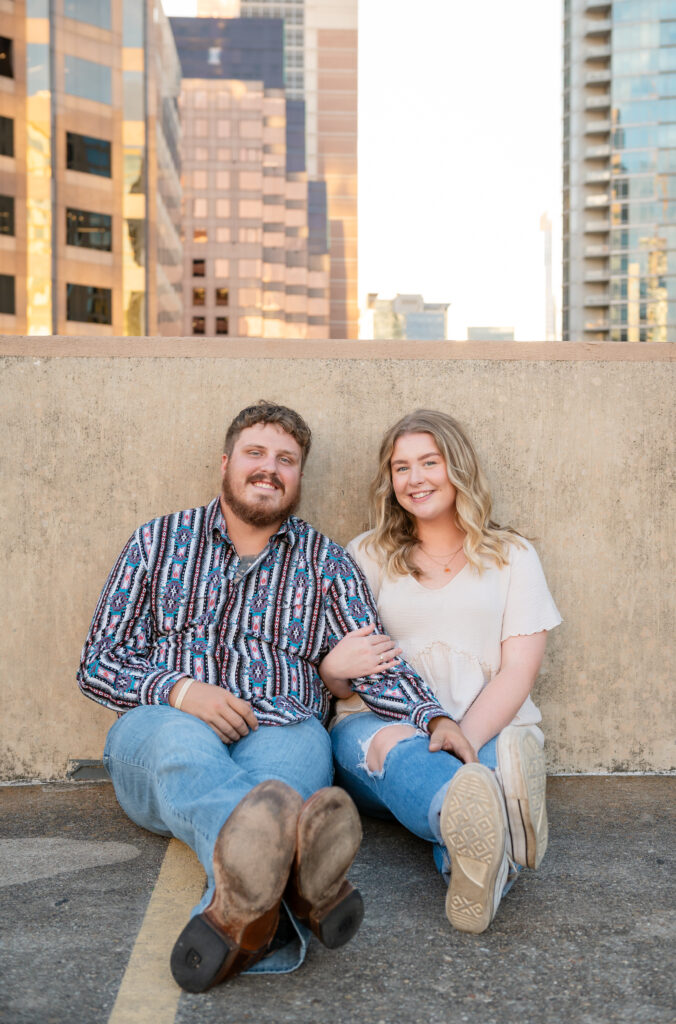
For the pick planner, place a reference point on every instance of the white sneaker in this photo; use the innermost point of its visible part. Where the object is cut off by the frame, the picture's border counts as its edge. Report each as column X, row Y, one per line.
column 523, row 776
column 474, row 829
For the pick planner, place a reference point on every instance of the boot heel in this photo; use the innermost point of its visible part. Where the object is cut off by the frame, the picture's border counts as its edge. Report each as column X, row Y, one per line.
column 199, row 956
column 341, row 922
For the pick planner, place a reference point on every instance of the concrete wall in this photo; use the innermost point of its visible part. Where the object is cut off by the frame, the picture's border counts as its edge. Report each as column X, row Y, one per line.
column 577, row 440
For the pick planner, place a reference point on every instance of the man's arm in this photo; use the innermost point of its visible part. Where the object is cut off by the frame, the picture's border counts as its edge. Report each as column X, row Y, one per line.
column 115, row 668
column 396, row 692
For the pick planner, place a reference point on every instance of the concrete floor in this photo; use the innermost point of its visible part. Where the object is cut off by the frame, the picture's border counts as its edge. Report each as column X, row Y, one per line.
column 587, row 939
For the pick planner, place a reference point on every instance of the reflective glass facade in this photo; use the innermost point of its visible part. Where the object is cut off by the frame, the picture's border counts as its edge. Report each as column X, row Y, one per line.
column 320, row 69
column 620, row 170
column 90, row 124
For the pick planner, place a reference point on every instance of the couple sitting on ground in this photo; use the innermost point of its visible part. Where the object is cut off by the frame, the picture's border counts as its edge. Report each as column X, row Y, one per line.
column 223, row 632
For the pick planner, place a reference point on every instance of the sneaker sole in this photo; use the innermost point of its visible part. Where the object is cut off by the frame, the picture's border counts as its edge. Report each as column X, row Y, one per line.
column 473, row 828
column 523, row 774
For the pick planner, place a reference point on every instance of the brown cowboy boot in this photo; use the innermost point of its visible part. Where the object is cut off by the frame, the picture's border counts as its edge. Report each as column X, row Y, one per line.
column 252, row 858
column 329, row 834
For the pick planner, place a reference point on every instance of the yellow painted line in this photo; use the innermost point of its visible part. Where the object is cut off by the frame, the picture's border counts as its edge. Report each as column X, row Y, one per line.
column 148, row 993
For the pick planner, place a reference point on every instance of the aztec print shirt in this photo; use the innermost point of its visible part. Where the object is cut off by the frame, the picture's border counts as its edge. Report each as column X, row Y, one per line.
column 173, row 606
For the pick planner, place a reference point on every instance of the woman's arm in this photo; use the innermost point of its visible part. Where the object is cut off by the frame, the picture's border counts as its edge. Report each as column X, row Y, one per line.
column 358, row 653
column 499, row 701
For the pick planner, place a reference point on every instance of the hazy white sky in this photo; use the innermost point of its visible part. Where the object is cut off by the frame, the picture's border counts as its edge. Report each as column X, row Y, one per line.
column 459, row 155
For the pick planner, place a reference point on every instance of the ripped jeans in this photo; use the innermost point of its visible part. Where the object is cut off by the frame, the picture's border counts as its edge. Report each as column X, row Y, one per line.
column 412, row 784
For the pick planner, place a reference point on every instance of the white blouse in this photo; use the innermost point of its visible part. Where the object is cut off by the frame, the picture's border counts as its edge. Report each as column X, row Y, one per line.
column 451, row 636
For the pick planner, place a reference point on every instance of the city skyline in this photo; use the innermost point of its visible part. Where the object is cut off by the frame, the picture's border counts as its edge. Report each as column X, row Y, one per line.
column 432, row 220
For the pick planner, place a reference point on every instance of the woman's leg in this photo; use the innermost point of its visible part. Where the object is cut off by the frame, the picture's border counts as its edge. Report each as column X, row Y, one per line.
column 389, row 767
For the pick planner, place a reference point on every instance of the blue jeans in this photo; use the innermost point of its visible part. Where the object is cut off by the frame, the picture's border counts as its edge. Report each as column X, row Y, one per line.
column 174, row 776
column 413, row 781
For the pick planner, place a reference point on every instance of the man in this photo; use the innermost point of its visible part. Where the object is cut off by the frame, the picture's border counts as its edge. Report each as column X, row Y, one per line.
column 208, row 634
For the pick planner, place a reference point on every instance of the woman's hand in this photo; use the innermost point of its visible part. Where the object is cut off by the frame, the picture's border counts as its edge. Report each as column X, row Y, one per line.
column 447, row 735
column 360, row 653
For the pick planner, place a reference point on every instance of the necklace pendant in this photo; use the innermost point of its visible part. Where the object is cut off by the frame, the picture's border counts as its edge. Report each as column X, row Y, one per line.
column 447, row 570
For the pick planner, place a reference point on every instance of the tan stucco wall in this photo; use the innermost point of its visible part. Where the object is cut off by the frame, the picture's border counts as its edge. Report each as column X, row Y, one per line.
column 577, row 441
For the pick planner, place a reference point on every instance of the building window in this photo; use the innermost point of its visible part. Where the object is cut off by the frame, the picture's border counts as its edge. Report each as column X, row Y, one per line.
column 199, row 268
column 221, row 325
column 198, row 296
column 94, row 12
column 6, row 61
column 6, row 215
column 198, row 325
column 7, row 304
column 88, row 304
column 221, row 296
column 87, row 79
column 222, row 267
column 199, row 235
column 87, row 154
column 6, row 136
column 89, row 230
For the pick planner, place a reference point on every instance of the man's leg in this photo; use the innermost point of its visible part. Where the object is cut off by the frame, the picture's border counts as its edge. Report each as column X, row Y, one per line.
column 329, row 829
column 173, row 775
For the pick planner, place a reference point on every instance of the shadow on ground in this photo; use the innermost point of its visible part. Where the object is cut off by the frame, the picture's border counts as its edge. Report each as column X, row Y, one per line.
column 587, row 939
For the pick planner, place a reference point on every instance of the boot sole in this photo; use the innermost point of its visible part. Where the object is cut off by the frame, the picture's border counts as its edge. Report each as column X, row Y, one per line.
column 329, row 834
column 252, row 859
column 473, row 829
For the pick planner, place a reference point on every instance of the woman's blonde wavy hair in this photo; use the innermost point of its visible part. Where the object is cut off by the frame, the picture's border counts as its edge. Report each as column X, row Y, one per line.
column 394, row 539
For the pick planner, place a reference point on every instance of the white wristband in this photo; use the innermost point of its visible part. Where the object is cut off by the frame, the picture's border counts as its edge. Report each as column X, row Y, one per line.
column 182, row 692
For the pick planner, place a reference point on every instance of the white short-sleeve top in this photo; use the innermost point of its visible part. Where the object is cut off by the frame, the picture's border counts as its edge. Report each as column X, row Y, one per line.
column 451, row 636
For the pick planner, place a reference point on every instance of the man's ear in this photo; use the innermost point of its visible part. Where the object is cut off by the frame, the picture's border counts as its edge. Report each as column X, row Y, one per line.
column 224, row 462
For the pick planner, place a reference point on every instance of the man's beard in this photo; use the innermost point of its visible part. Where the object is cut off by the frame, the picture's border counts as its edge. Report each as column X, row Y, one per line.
column 254, row 514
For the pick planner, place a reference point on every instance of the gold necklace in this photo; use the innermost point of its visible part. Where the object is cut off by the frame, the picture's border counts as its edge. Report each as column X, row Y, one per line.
column 447, row 561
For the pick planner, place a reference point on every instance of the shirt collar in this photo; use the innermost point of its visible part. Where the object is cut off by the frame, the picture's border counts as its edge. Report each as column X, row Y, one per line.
column 216, row 523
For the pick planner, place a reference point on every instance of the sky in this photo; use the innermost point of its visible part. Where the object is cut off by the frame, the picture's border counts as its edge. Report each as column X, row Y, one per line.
column 459, row 155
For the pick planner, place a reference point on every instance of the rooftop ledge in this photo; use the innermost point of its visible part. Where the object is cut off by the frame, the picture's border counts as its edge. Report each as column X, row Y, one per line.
column 248, row 348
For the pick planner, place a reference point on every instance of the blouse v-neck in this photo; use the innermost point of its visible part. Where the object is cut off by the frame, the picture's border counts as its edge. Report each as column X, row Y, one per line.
column 435, row 590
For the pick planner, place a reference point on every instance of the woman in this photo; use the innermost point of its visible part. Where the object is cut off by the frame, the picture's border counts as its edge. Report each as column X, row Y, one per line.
column 468, row 602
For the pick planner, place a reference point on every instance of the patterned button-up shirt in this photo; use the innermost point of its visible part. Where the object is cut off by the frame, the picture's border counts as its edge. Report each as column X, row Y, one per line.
column 173, row 606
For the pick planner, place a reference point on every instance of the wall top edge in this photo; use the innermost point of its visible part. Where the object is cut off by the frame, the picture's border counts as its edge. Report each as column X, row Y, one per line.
column 246, row 348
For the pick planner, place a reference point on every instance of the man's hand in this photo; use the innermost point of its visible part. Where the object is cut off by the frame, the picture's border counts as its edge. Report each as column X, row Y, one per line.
column 230, row 717
column 447, row 735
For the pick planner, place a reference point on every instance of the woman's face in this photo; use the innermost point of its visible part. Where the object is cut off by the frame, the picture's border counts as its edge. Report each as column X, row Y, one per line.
column 419, row 477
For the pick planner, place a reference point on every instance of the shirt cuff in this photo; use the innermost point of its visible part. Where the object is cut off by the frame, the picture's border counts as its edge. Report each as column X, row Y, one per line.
column 158, row 686
column 423, row 714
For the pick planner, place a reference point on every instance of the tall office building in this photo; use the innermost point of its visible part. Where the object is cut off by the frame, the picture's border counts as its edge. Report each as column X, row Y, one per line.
column 404, row 317
column 89, row 169
column 619, row 167
column 320, row 46
column 255, row 228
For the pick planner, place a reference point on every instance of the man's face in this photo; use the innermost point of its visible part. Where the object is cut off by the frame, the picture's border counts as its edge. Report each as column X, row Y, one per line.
column 261, row 478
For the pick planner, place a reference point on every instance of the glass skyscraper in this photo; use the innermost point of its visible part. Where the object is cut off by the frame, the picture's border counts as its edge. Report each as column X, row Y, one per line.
column 90, row 194
column 619, row 170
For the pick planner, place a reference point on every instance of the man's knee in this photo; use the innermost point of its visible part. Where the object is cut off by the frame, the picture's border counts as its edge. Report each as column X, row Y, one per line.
column 383, row 741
